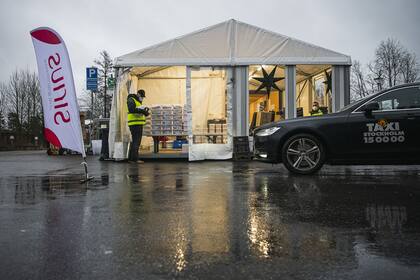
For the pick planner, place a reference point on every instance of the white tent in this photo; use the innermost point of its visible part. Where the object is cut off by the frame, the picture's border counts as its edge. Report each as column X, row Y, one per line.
column 232, row 43
column 231, row 47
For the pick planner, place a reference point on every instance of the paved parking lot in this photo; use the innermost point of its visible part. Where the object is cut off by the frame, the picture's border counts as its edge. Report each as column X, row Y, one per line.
column 216, row 219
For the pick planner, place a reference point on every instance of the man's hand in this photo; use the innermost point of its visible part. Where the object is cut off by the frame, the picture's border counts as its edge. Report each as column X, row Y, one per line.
column 146, row 111
column 143, row 110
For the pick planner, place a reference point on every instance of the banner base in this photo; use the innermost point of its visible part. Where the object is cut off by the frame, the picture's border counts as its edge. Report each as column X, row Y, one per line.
column 87, row 177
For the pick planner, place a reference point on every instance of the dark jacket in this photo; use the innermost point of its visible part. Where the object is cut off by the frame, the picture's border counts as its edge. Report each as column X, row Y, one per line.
column 132, row 106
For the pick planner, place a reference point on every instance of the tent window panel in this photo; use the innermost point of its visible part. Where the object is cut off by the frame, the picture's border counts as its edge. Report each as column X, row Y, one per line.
column 319, row 94
column 208, row 97
column 303, row 93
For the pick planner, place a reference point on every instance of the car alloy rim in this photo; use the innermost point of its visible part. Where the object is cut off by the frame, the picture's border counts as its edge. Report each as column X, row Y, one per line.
column 303, row 154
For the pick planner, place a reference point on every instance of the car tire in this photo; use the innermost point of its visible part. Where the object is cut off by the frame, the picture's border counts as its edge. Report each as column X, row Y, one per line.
column 303, row 154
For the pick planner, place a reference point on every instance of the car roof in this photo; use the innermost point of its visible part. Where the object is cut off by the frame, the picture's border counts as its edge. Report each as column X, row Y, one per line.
column 370, row 97
column 397, row 87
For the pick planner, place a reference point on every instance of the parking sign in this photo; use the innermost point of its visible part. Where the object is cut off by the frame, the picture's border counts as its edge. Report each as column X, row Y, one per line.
column 92, row 78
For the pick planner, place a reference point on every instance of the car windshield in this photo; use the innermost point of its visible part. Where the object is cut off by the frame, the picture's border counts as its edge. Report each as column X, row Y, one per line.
column 354, row 103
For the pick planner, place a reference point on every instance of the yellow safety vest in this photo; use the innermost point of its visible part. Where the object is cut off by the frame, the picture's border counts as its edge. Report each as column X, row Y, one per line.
column 318, row 113
column 134, row 118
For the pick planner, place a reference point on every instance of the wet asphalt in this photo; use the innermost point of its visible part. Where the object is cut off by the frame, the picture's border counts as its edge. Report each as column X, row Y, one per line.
column 205, row 220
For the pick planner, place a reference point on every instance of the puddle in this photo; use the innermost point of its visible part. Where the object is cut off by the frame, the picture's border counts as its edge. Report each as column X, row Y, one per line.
column 33, row 189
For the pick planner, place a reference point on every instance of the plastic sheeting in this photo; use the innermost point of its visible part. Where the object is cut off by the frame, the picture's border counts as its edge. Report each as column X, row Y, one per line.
column 210, row 151
column 119, row 134
column 232, row 43
column 218, row 151
column 209, row 97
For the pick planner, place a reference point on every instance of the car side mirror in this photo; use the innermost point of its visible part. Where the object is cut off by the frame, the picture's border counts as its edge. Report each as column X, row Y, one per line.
column 368, row 108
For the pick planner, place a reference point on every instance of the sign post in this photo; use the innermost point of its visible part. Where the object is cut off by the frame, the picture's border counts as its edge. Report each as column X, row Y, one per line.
column 92, row 85
column 92, row 79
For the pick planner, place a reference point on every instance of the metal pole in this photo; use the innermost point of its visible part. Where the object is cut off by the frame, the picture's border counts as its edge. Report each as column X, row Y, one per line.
column 91, row 119
column 91, row 112
column 105, row 81
column 87, row 177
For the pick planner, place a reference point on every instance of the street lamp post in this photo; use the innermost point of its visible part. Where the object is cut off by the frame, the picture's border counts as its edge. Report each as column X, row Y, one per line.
column 379, row 81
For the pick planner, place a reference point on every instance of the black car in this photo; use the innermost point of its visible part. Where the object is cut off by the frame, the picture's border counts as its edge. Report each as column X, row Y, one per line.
column 381, row 129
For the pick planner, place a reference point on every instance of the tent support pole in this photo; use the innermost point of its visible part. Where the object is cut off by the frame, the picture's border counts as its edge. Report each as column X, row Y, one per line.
column 290, row 82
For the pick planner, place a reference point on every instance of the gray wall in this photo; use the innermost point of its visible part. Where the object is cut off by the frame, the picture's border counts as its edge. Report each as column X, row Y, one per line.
column 340, row 86
column 240, row 101
column 290, row 81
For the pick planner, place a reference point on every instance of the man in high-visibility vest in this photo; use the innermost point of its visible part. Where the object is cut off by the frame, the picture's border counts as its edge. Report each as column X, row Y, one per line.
column 136, row 118
column 316, row 111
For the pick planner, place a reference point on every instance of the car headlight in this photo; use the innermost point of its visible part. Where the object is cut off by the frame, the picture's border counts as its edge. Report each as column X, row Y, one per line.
column 267, row 131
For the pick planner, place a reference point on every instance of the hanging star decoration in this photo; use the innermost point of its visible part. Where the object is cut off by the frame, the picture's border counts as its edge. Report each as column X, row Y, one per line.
column 268, row 81
column 328, row 81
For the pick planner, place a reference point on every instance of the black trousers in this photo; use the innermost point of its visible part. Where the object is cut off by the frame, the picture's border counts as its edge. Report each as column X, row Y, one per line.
column 136, row 134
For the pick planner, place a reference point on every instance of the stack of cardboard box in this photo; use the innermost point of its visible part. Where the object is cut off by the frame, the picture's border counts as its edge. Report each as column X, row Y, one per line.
column 165, row 120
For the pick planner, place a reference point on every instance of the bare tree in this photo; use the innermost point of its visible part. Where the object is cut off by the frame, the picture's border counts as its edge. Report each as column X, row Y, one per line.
column 375, row 80
column 92, row 101
column 23, row 102
column 105, row 68
column 15, row 95
column 388, row 57
column 393, row 65
column 3, row 106
column 409, row 67
column 358, row 81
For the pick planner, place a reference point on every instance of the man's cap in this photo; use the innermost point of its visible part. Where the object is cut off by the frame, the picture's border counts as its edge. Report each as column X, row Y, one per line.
column 141, row 92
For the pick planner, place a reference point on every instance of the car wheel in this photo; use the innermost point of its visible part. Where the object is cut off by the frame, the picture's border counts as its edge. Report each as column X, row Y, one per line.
column 303, row 154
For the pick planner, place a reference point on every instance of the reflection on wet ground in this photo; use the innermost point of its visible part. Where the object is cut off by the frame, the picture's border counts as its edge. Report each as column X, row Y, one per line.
column 211, row 220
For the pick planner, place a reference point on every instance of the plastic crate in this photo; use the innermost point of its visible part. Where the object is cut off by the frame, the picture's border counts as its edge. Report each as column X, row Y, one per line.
column 167, row 117
column 177, row 144
column 156, row 117
column 167, row 132
column 177, row 123
column 177, row 127
column 241, row 149
column 178, row 132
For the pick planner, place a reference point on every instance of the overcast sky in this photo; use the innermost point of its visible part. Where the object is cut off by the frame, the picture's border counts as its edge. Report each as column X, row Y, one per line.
column 350, row 27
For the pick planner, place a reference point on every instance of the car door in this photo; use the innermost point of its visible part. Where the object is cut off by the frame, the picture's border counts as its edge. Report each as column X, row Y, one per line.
column 390, row 133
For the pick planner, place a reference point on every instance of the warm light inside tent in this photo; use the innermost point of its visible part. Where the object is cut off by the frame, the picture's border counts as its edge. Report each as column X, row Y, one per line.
column 310, row 86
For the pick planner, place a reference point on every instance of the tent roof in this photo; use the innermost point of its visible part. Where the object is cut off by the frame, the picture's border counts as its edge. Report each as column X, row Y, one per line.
column 232, row 43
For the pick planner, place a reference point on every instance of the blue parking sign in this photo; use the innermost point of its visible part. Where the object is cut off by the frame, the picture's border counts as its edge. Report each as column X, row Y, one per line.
column 92, row 78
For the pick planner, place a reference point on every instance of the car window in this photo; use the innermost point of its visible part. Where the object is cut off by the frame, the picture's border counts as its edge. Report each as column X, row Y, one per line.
column 405, row 98
column 353, row 104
